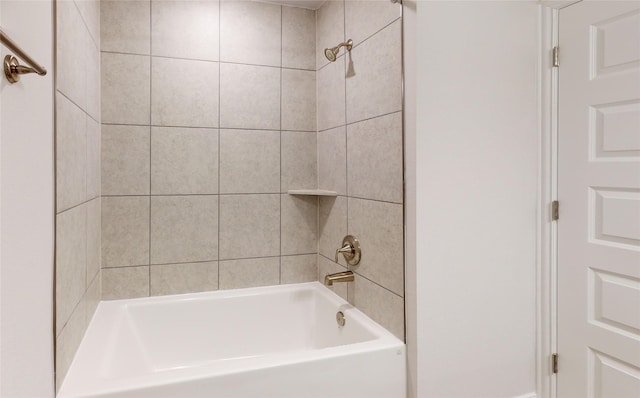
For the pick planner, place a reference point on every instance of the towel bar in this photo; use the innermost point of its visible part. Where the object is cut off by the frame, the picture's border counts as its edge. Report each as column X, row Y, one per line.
column 12, row 68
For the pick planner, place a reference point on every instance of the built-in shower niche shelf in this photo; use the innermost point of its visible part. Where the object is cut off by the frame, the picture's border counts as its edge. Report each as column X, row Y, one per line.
column 312, row 192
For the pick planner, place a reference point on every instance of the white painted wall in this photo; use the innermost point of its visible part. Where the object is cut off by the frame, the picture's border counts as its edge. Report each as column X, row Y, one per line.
column 26, row 209
column 476, row 184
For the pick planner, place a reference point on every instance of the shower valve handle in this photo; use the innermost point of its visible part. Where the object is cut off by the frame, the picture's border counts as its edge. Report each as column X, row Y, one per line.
column 346, row 250
column 350, row 250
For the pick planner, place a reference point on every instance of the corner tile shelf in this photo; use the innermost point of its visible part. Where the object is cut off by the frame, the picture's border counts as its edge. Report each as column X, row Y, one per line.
column 312, row 192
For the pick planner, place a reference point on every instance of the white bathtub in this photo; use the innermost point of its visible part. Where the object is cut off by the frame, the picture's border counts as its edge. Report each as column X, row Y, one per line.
column 276, row 341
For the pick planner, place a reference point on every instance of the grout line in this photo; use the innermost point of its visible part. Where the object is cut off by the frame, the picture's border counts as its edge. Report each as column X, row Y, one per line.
column 125, row 266
column 280, row 158
column 361, row 120
column 376, row 32
column 95, row 277
column 208, row 60
column 373, row 117
column 77, row 205
column 362, row 276
column 79, row 301
column 206, row 261
column 318, row 199
column 150, row 131
column 187, row 194
column 77, row 106
column 219, row 152
column 86, row 209
column 86, row 25
column 370, row 200
column 66, row 322
column 346, row 147
column 54, row 282
column 206, row 127
column 404, row 180
column 300, row 254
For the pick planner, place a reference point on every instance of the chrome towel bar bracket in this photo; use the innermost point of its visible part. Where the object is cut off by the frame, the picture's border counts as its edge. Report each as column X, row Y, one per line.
column 12, row 67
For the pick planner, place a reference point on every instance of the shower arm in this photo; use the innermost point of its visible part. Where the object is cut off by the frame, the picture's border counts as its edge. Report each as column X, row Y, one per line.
column 332, row 53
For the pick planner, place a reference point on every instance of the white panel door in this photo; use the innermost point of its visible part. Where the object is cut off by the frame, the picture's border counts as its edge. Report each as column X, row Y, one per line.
column 599, row 194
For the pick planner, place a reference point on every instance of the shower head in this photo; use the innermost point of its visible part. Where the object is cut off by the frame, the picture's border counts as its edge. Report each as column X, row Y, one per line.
column 332, row 53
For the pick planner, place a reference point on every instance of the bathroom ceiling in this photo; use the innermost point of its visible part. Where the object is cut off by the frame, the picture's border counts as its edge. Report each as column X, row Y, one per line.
column 310, row 4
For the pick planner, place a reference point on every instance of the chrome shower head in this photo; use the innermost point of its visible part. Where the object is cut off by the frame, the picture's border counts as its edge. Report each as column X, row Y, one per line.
column 332, row 53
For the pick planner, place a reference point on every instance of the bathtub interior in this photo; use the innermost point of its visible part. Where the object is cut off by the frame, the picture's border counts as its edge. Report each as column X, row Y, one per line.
column 193, row 331
column 130, row 338
column 232, row 341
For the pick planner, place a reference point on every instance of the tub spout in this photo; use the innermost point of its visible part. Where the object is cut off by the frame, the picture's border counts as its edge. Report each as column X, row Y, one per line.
column 346, row 276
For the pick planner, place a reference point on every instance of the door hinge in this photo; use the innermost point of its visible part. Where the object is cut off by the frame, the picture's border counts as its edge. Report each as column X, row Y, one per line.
column 555, row 53
column 555, row 210
column 554, row 363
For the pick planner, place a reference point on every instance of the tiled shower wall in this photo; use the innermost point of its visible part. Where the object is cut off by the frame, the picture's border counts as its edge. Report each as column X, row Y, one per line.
column 208, row 118
column 77, row 100
column 360, row 153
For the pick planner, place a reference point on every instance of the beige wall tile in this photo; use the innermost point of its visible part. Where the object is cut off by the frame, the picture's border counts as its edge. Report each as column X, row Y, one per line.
column 375, row 158
column 249, row 97
column 249, row 226
column 332, row 160
column 71, row 153
column 332, row 225
column 331, row 95
column 379, row 304
column 299, row 169
column 298, row 100
column 94, row 210
column 298, row 269
column 77, row 170
column 90, row 12
column 298, row 38
column 92, row 74
column 185, row 29
column 378, row 227
column 249, row 161
column 125, row 231
column 374, row 83
column 299, row 224
column 184, row 228
column 68, row 341
column 93, row 159
column 185, row 93
column 71, row 46
column 363, row 18
column 71, row 262
column 184, row 278
column 329, row 29
column 326, row 267
column 250, row 32
column 125, row 160
column 184, row 161
column 92, row 296
column 125, row 283
column 236, row 274
column 125, row 100
column 125, row 26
